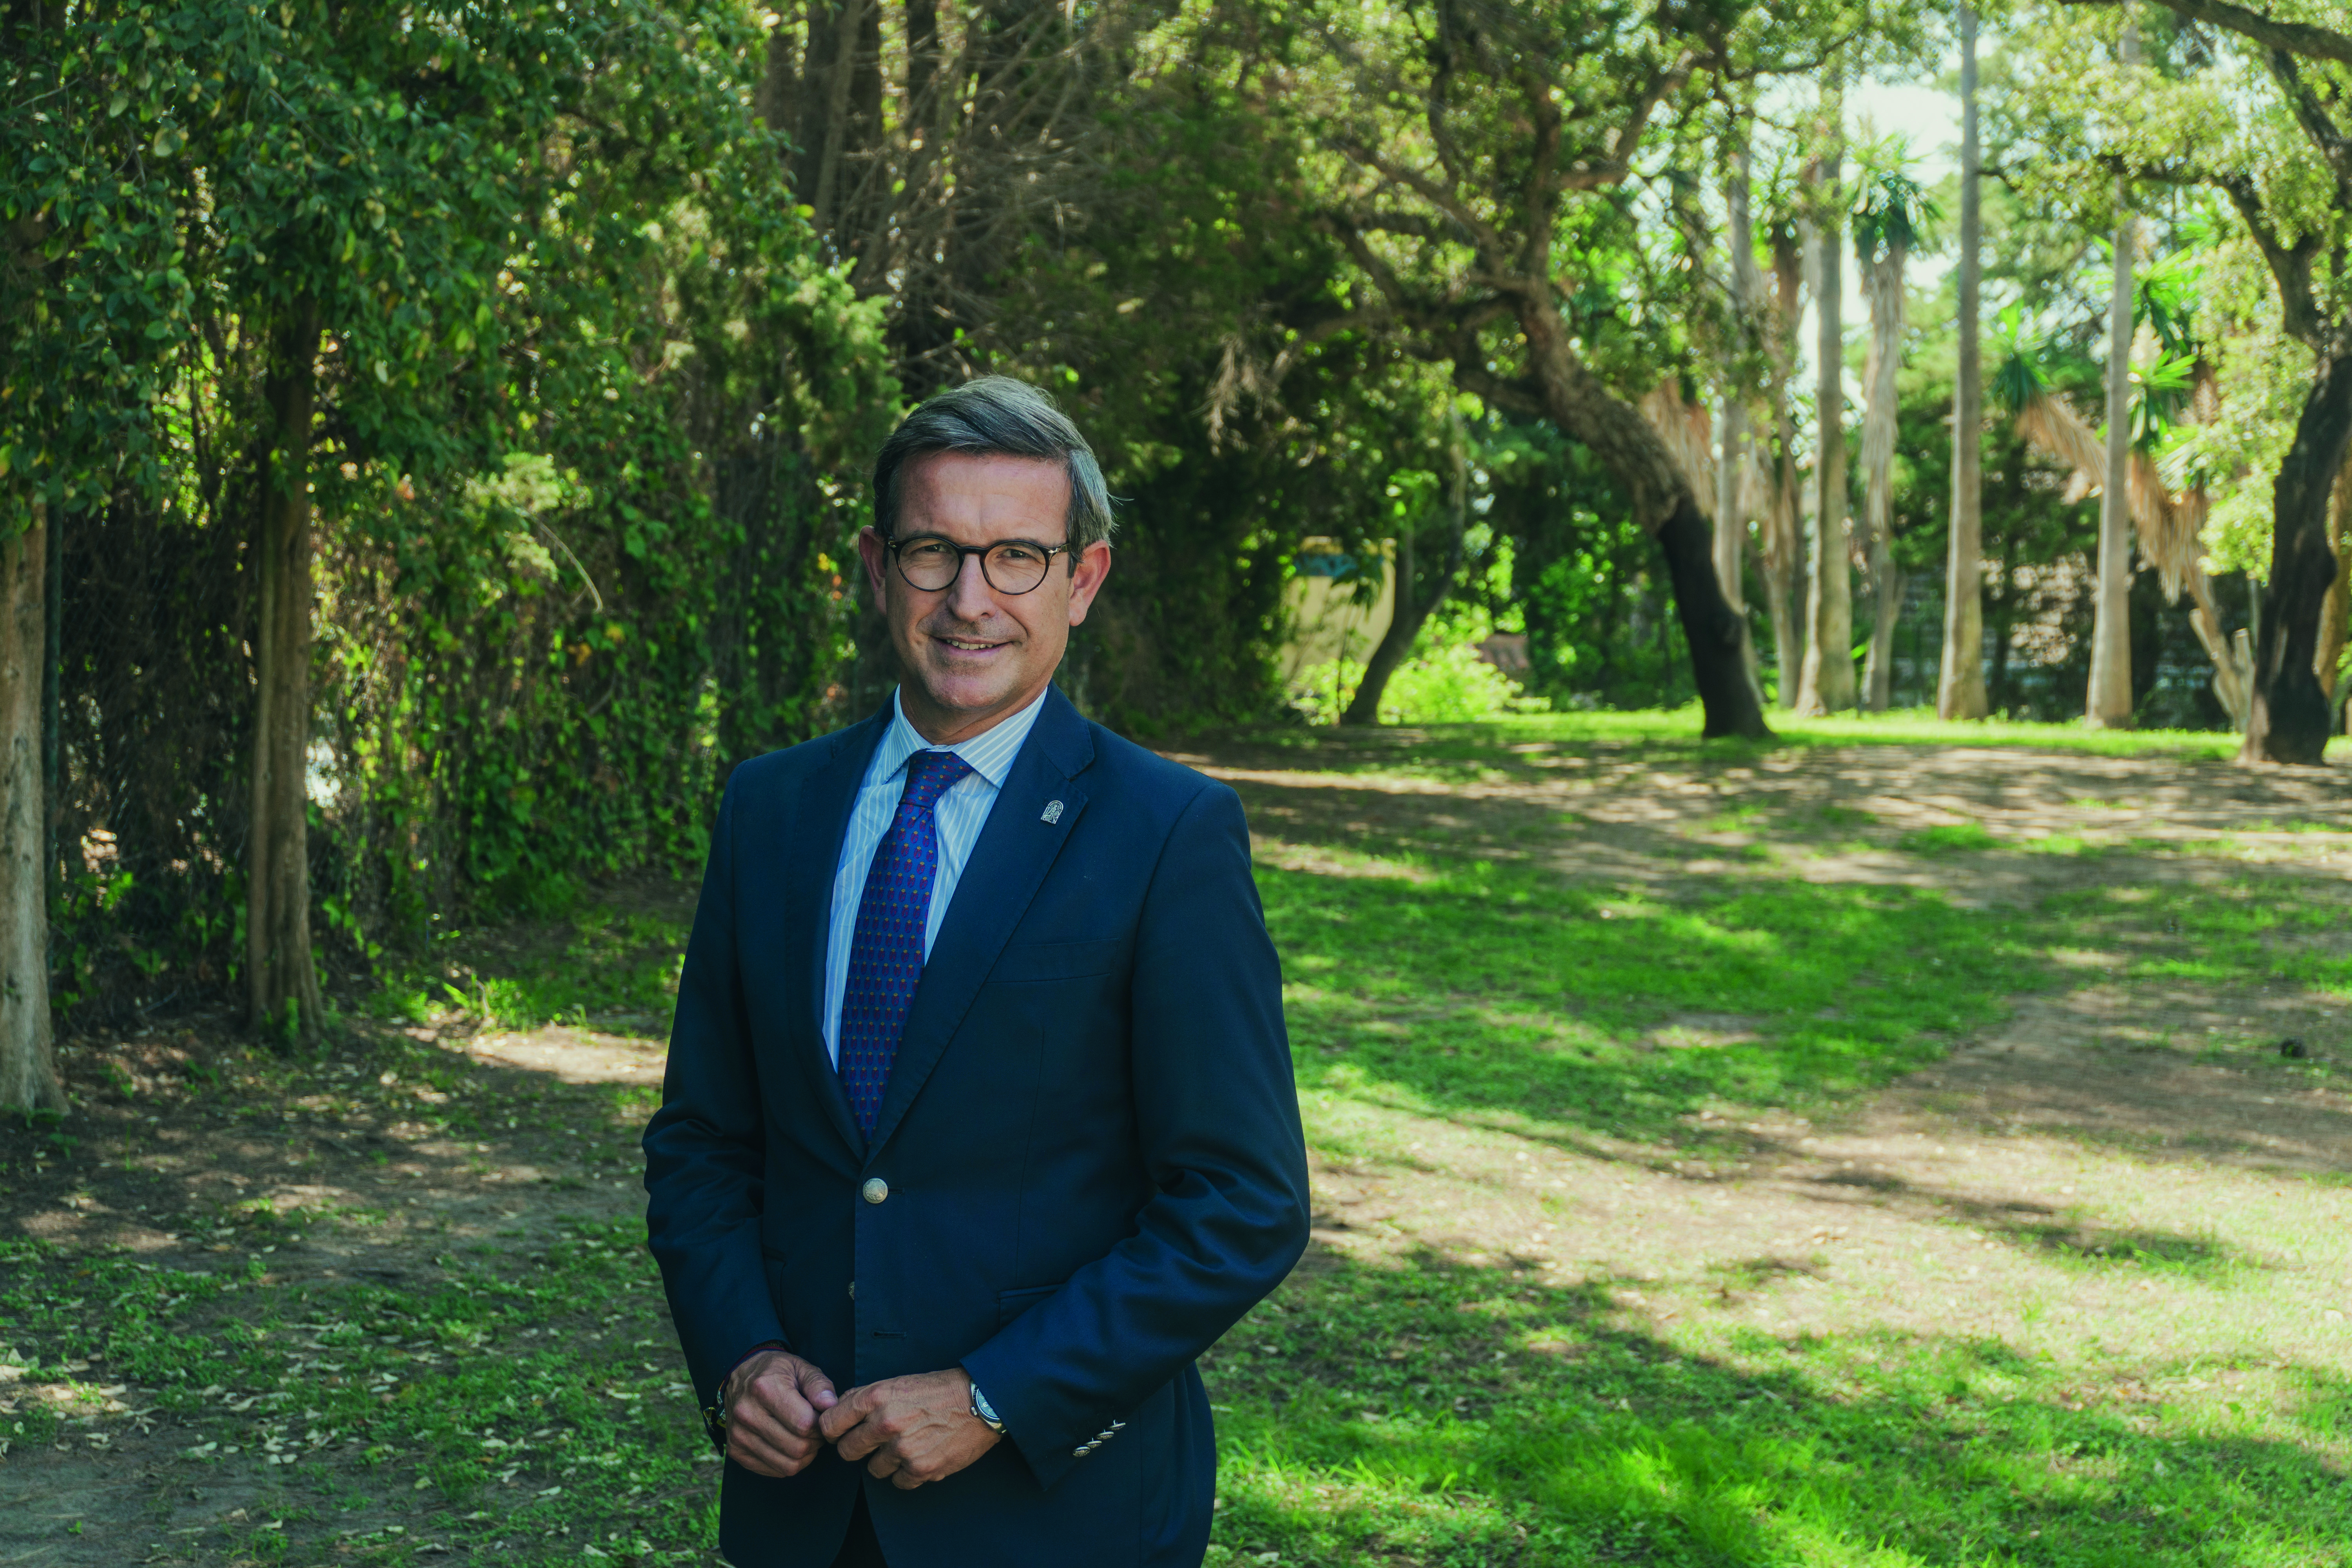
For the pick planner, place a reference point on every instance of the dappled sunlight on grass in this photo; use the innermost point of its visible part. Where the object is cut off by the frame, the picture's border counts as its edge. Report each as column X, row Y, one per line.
column 1677, row 1201
column 1917, row 726
column 1677, row 731
column 611, row 968
column 1445, row 1413
column 1617, row 1262
column 1503, row 990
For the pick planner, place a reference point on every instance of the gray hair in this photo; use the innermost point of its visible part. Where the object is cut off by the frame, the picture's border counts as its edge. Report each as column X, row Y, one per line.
column 995, row 415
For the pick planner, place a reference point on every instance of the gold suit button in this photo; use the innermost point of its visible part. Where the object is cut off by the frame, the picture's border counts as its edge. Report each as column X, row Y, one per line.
column 876, row 1189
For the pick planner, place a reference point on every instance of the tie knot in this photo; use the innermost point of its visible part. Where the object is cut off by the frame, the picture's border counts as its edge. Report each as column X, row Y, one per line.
column 931, row 774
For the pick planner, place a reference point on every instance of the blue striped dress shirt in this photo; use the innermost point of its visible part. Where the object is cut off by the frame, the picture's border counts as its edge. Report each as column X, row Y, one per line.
column 960, row 814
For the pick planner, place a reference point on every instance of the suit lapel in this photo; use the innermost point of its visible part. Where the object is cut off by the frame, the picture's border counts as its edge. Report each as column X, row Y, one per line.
column 820, row 822
column 1016, row 848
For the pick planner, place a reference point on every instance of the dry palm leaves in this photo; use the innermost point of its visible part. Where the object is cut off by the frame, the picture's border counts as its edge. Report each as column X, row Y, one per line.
column 2171, row 529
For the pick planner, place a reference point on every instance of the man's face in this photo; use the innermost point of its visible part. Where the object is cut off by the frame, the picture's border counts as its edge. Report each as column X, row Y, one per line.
column 973, row 653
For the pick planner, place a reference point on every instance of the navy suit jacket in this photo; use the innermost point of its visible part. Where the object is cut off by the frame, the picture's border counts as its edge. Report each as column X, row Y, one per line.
column 1090, row 1139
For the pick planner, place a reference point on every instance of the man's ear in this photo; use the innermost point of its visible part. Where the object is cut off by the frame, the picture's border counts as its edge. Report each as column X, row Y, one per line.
column 877, row 557
column 1087, row 575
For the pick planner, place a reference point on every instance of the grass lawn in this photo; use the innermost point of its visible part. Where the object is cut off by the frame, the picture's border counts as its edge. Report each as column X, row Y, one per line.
column 1833, row 1153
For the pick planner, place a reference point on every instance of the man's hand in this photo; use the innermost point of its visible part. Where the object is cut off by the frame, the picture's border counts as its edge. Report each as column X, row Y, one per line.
column 918, row 1430
column 774, row 1402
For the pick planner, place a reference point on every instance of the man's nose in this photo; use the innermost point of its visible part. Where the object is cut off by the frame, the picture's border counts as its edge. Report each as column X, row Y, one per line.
column 968, row 598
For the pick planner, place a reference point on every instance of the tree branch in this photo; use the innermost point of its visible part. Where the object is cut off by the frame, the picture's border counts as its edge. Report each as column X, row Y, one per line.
column 1518, row 396
column 1535, row 256
column 2291, row 264
column 2316, row 122
column 2294, row 37
column 1480, row 233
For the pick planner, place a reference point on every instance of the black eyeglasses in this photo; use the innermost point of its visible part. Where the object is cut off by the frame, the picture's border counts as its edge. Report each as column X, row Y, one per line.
column 1010, row 565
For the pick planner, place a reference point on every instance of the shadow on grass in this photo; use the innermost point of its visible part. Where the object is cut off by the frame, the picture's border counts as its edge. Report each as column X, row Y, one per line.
column 348, row 1309
column 1433, row 1413
column 1565, row 1010
column 2038, row 1228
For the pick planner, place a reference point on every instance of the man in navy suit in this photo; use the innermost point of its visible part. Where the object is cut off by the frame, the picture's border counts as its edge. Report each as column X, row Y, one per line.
column 978, row 1125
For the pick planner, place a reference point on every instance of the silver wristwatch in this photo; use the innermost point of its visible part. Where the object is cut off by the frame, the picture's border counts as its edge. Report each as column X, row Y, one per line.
column 984, row 1413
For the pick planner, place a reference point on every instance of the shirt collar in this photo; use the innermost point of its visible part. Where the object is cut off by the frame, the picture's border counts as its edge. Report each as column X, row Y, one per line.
column 990, row 752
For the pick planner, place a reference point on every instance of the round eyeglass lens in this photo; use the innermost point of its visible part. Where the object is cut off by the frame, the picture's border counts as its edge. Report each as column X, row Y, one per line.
column 1015, row 566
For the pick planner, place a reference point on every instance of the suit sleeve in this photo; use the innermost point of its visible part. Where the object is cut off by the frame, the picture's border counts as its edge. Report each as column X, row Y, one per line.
column 705, row 1148
column 1217, row 1118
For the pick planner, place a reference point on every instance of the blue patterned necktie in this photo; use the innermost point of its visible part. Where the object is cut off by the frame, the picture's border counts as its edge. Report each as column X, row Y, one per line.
column 885, row 953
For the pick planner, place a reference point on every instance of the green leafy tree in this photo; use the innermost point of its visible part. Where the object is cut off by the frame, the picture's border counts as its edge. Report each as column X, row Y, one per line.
column 518, row 311
column 92, row 287
column 1483, row 163
column 2282, row 158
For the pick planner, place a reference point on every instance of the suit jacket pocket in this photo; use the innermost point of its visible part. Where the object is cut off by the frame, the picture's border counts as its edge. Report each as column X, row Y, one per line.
column 1010, row 1304
column 1036, row 961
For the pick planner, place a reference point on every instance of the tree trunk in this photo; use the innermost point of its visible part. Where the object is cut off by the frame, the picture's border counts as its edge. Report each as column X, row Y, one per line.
column 922, row 61
column 1788, row 636
column 53, row 743
column 1787, row 551
column 28, row 1068
column 1827, row 684
column 1883, row 284
column 1730, row 525
column 1959, row 685
column 2108, row 704
column 1730, row 494
column 776, row 100
column 1886, row 591
column 282, row 984
column 1411, row 609
column 2336, row 611
column 2233, row 661
column 2288, row 719
column 1586, row 412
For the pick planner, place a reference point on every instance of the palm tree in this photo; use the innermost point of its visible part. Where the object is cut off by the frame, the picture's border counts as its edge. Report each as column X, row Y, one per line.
column 2169, row 524
column 1888, row 225
column 1826, row 684
column 1960, row 686
column 2109, row 702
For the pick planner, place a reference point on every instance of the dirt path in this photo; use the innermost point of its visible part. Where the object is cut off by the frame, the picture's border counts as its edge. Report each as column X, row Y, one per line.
column 2083, row 1176
column 311, row 1196
column 1821, row 813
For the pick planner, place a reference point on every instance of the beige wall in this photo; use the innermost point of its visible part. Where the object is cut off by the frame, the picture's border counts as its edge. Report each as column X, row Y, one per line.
column 1323, row 615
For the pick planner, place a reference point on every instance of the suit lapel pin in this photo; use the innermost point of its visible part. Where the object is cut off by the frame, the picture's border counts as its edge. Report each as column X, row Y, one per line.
column 1053, row 812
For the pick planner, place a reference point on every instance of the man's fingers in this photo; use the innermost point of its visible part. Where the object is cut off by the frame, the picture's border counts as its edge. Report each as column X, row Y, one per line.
column 762, row 1431
column 817, row 1388
column 782, row 1397
column 765, row 1457
column 846, row 1414
column 858, row 1441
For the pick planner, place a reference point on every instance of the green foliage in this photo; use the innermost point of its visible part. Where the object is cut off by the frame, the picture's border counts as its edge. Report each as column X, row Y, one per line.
column 1891, row 211
column 591, row 408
